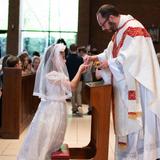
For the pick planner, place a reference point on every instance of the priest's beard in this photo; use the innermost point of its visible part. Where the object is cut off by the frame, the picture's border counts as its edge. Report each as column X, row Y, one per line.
column 113, row 27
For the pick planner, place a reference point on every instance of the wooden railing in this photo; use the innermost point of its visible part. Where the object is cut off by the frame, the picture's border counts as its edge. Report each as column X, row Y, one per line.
column 18, row 104
column 99, row 97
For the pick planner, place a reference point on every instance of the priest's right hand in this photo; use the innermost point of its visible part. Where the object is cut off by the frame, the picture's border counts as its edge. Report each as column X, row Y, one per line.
column 87, row 59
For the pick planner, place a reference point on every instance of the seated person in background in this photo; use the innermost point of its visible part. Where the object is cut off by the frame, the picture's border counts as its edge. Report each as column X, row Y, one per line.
column 29, row 67
column 35, row 63
column 13, row 61
column 24, row 61
column 3, row 65
column 8, row 61
column 4, row 59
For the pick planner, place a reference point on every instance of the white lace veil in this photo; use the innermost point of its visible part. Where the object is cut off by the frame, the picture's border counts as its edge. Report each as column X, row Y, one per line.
column 51, row 61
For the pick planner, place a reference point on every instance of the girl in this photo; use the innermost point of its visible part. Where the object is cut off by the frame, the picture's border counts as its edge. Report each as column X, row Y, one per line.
column 52, row 85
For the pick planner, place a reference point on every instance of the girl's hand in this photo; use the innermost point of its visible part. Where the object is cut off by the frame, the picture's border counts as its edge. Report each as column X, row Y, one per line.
column 83, row 67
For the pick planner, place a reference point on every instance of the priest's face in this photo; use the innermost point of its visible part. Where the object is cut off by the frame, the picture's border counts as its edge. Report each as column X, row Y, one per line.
column 106, row 24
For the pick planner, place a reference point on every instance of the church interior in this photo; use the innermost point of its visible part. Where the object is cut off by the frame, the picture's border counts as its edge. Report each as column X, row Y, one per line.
column 18, row 105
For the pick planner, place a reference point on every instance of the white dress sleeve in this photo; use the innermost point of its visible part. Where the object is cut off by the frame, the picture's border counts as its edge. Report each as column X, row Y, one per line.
column 60, row 79
column 56, row 77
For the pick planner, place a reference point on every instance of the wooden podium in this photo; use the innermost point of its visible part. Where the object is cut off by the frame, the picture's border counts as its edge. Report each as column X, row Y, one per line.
column 99, row 96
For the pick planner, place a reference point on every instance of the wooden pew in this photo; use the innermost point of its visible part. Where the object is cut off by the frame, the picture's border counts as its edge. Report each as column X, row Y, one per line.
column 18, row 104
column 100, row 98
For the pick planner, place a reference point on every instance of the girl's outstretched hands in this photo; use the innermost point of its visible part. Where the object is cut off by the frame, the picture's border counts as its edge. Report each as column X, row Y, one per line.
column 83, row 67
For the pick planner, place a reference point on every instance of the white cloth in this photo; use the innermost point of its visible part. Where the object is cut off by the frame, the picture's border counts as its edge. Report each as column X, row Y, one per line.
column 105, row 73
column 47, row 129
column 106, row 76
column 148, row 147
column 137, row 58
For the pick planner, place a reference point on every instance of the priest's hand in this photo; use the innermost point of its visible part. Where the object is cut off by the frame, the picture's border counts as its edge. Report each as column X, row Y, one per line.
column 87, row 59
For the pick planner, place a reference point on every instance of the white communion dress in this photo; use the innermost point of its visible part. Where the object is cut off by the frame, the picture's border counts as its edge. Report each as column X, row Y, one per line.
column 47, row 129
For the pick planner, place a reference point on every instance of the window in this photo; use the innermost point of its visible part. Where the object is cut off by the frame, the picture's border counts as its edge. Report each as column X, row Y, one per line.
column 3, row 26
column 43, row 22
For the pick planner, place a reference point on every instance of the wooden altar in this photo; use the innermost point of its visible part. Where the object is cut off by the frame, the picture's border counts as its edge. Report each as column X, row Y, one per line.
column 99, row 97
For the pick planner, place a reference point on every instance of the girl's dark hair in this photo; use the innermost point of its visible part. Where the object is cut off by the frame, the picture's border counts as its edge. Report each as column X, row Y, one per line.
column 106, row 10
column 61, row 40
